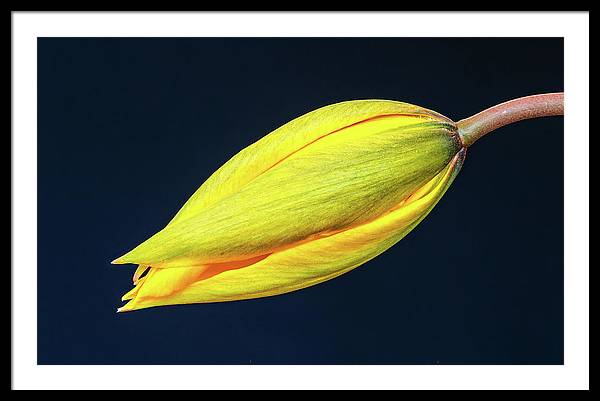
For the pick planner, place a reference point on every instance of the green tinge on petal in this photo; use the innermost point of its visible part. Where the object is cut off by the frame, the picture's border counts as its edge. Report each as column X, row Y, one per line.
column 298, row 267
column 262, row 155
column 340, row 180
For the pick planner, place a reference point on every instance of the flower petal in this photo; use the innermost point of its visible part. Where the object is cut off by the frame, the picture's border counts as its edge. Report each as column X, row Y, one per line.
column 341, row 180
column 298, row 267
column 138, row 272
column 259, row 157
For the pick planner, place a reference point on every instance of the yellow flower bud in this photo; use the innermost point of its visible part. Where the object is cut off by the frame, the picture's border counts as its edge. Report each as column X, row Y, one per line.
column 312, row 200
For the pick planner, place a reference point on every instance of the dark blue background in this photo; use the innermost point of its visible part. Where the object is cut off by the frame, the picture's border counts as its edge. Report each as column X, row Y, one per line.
column 129, row 128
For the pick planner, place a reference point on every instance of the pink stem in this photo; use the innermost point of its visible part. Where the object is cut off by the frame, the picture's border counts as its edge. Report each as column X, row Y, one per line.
column 548, row 104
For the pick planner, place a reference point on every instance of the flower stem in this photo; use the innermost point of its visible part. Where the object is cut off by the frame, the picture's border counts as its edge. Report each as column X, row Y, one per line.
column 544, row 105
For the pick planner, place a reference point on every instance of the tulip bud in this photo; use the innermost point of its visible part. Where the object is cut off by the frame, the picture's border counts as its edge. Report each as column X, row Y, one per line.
column 312, row 200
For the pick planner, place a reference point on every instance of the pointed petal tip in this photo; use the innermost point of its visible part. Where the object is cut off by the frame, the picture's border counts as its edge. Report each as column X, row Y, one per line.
column 129, row 295
column 141, row 269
